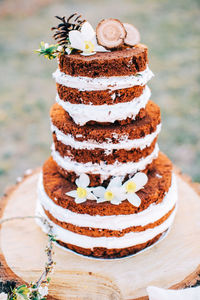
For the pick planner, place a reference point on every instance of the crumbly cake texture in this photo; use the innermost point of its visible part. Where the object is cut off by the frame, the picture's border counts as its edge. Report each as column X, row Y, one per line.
column 135, row 130
column 129, row 61
column 115, row 146
column 127, row 121
column 100, row 252
column 99, row 232
column 159, row 180
column 98, row 97
column 98, row 155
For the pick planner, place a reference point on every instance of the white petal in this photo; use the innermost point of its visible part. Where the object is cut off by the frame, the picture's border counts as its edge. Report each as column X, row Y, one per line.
column 60, row 48
column 46, row 45
column 115, row 201
column 115, row 182
column 84, row 180
column 77, row 181
column 90, row 196
column 87, row 53
column 140, row 180
column 76, row 40
column 100, row 200
column 80, row 200
column 72, row 194
column 134, row 199
column 3, row 296
column 123, row 188
column 87, row 31
column 99, row 191
column 43, row 291
column 68, row 50
column 122, row 196
column 119, row 193
column 100, row 49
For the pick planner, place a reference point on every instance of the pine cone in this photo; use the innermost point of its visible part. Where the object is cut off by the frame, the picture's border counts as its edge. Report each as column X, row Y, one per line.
column 74, row 22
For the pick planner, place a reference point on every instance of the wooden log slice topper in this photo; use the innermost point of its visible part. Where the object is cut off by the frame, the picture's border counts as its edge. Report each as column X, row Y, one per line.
column 174, row 262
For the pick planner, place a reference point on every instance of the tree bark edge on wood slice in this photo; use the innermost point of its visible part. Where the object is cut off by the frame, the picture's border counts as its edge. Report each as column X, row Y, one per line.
column 7, row 276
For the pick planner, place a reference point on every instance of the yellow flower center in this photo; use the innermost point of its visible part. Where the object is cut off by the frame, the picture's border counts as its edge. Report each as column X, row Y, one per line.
column 89, row 46
column 81, row 192
column 130, row 187
column 109, row 195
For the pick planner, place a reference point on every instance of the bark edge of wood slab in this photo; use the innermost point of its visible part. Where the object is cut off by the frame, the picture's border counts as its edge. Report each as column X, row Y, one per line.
column 9, row 274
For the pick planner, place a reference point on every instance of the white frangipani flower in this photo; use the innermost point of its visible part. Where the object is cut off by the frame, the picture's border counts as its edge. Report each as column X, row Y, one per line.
column 134, row 184
column 85, row 40
column 83, row 192
column 112, row 193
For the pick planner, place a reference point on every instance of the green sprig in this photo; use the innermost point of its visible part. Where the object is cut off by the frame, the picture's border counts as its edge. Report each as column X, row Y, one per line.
column 48, row 51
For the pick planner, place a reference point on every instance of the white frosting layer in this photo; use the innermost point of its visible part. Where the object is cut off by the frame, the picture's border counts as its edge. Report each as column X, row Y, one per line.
column 115, row 222
column 128, row 240
column 105, row 170
column 82, row 113
column 125, row 143
column 102, row 83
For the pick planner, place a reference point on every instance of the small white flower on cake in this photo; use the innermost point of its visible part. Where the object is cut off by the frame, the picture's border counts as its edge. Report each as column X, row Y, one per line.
column 83, row 192
column 113, row 193
column 131, row 186
column 85, row 40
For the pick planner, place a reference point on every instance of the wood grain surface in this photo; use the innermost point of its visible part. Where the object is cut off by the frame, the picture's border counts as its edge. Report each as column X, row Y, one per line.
column 174, row 262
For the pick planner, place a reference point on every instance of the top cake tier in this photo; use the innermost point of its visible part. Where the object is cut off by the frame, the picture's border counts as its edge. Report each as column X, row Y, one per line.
column 128, row 61
column 104, row 87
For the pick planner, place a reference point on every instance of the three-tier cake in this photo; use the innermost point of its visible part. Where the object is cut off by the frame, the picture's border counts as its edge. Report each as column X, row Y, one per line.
column 106, row 190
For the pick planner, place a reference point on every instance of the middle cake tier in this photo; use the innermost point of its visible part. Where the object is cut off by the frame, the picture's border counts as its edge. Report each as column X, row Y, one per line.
column 104, row 151
column 105, row 106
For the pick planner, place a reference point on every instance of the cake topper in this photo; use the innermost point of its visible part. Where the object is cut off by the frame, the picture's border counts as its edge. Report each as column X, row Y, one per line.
column 75, row 34
column 85, row 40
column 132, row 35
column 61, row 35
column 110, row 33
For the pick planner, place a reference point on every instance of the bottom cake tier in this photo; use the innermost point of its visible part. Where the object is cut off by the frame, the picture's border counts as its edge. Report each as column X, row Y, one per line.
column 105, row 230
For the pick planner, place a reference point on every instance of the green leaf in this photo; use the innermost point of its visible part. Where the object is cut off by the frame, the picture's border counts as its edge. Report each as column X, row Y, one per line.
column 21, row 287
column 25, row 297
column 23, row 290
column 48, row 52
column 52, row 237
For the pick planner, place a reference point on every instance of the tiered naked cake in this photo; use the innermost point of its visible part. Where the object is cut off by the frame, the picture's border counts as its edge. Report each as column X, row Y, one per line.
column 107, row 190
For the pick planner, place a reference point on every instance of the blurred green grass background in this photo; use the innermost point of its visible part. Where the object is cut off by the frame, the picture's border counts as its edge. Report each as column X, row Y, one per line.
column 171, row 29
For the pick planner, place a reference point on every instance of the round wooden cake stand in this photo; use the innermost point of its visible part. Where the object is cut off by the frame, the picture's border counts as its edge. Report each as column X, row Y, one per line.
column 174, row 262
